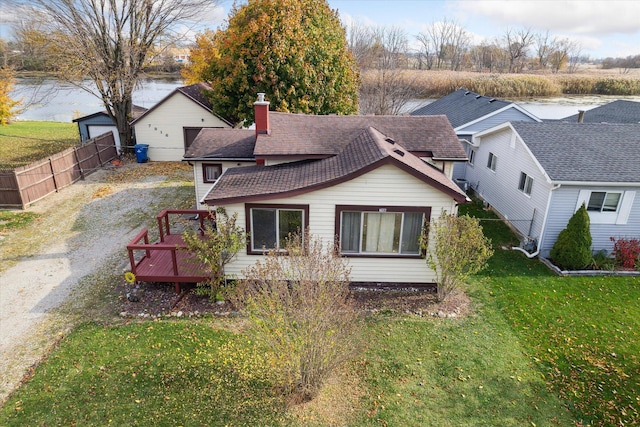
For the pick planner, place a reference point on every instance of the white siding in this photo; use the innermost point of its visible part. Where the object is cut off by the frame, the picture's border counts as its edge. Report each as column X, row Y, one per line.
column 563, row 206
column 500, row 188
column 162, row 128
column 202, row 188
column 387, row 186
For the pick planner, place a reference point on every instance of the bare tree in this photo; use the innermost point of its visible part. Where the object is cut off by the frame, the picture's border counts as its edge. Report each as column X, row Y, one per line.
column 101, row 46
column 385, row 87
column 517, row 44
column 544, row 47
column 445, row 43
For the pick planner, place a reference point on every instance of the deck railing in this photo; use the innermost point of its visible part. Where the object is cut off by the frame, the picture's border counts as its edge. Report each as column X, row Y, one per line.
column 164, row 222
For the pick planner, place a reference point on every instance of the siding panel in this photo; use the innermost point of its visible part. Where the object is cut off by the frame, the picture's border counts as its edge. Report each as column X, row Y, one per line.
column 162, row 128
column 386, row 185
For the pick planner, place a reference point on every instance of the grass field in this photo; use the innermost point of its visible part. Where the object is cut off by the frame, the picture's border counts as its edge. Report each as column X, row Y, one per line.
column 24, row 142
column 536, row 350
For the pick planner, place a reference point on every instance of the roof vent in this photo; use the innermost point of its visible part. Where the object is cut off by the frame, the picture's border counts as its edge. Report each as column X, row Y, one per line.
column 399, row 152
column 390, row 140
column 467, row 93
column 491, row 100
column 478, row 96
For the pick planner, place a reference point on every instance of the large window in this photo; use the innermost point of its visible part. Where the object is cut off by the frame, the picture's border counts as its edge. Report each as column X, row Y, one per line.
column 601, row 201
column 270, row 225
column 373, row 231
column 211, row 172
column 491, row 162
column 526, row 182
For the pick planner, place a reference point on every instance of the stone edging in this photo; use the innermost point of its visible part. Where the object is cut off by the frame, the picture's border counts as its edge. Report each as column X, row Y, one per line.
column 564, row 273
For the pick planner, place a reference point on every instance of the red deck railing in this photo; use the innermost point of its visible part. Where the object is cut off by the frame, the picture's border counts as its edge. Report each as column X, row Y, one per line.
column 167, row 261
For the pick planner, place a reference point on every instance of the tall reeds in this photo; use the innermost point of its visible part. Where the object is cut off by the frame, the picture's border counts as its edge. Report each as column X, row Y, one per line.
column 430, row 84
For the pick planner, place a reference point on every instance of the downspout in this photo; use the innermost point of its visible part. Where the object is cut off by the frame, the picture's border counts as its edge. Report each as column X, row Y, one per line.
column 544, row 224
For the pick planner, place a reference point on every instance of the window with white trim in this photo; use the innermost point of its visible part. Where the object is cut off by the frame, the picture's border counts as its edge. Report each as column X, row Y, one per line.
column 472, row 156
column 604, row 201
column 211, row 172
column 526, row 182
column 491, row 162
column 607, row 207
column 381, row 231
column 270, row 225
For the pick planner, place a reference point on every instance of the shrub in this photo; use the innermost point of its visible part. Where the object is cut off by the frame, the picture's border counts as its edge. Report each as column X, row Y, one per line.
column 572, row 249
column 602, row 261
column 300, row 310
column 459, row 249
column 626, row 252
column 218, row 246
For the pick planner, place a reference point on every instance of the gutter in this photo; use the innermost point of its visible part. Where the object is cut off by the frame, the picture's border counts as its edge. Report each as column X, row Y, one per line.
column 544, row 224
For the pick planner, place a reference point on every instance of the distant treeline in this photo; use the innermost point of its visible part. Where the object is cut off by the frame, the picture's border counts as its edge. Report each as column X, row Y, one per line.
column 622, row 63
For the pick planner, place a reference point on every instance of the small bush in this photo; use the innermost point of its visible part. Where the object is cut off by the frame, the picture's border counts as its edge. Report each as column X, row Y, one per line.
column 626, row 252
column 572, row 249
column 602, row 261
column 300, row 311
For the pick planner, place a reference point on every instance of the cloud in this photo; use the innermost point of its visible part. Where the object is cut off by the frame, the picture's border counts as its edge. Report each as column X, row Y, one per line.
column 568, row 16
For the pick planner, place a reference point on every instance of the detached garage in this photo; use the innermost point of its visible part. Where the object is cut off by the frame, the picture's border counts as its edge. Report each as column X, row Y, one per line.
column 99, row 123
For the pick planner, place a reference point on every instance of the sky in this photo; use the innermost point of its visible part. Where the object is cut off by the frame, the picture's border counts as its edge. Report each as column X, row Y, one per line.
column 603, row 28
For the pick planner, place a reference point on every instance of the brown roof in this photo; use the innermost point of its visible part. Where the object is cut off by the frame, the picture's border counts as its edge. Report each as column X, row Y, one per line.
column 366, row 151
column 222, row 143
column 296, row 135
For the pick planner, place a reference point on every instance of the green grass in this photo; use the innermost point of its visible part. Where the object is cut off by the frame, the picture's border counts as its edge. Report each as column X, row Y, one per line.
column 536, row 350
column 24, row 142
column 11, row 220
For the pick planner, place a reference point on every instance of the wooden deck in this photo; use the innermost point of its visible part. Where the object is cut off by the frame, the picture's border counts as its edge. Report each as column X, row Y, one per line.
column 167, row 261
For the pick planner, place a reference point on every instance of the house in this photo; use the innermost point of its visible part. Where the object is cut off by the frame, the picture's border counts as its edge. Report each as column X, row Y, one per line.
column 375, row 182
column 170, row 126
column 98, row 123
column 536, row 175
column 468, row 113
column 619, row 111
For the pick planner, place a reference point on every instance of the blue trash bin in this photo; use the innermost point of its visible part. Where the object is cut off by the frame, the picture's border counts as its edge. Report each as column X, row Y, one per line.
column 141, row 152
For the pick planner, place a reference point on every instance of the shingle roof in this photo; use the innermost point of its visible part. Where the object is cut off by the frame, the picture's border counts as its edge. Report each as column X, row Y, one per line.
column 196, row 93
column 222, row 143
column 619, row 111
column 462, row 106
column 366, row 151
column 585, row 152
column 136, row 111
column 294, row 135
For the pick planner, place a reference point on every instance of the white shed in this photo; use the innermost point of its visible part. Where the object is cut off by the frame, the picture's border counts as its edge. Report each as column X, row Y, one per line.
column 172, row 124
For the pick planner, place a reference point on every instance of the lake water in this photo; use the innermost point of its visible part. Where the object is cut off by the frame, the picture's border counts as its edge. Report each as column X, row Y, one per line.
column 52, row 102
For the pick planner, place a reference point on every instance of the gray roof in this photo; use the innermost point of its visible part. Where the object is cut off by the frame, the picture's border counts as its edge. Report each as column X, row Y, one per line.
column 619, row 111
column 366, row 151
column 462, row 106
column 585, row 152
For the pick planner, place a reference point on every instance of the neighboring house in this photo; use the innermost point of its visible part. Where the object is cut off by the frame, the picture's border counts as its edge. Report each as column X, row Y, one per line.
column 536, row 175
column 469, row 113
column 619, row 111
column 99, row 123
column 170, row 126
column 375, row 182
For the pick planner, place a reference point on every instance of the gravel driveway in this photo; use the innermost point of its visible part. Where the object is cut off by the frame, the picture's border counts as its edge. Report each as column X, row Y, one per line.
column 80, row 227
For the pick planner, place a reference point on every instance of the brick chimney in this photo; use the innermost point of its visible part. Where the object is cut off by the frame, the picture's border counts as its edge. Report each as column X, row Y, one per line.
column 262, row 115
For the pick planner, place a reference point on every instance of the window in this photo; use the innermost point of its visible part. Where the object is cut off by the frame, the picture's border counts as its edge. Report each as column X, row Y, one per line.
column 211, row 172
column 491, row 163
column 526, row 182
column 472, row 156
column 270, row 225
column 601, row 201
column 376, row 231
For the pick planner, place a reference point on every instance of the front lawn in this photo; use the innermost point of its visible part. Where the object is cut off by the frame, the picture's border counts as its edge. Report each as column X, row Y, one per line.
column 24, row 142
column 536, row 350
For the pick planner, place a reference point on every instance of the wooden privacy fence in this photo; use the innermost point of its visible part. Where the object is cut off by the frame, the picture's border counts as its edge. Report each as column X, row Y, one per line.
column 27, row 184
